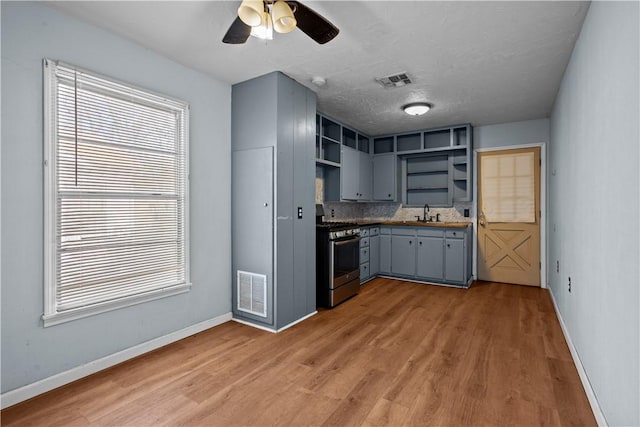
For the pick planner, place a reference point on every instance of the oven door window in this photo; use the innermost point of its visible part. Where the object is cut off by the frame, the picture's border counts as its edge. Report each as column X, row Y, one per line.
column 346, row 256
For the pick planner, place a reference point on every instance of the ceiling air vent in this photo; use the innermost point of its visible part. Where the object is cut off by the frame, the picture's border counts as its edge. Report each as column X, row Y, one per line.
column 395, row 80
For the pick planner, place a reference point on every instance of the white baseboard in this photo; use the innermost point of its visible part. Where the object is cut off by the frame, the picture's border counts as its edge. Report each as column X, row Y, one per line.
column 18, row 395
column 274, row 331
column 593, row 401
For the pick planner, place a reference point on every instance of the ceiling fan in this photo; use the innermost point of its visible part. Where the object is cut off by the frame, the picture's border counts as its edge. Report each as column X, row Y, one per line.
column 259, row 18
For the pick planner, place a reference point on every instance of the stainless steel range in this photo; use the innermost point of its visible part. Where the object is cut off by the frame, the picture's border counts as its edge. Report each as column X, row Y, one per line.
column 337, row 261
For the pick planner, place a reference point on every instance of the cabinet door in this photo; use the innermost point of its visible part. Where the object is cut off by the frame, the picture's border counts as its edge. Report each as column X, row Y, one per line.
column 350, row 170
column 454, row 260
column 364, row 272
column 384, row 177
column 430, row 260
column 385, row 254
column 365, row 177
column 403, row 255
column 374, row 255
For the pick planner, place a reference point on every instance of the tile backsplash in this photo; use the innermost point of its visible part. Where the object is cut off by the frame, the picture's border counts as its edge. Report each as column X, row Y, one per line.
column 343, row 211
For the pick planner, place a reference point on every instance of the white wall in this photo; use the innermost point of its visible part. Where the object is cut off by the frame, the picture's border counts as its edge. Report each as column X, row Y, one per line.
column 514, row 133
column 31, row 32
column 594, row 212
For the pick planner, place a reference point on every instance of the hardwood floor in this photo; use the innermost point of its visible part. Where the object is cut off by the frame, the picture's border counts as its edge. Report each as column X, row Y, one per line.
column 399, row 353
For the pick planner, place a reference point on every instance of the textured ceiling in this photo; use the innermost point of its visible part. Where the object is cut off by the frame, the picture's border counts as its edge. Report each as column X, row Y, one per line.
column 476, row 62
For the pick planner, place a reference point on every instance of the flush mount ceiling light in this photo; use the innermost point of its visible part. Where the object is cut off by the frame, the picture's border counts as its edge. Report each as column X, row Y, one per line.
column 259, row 18
column 417, row 108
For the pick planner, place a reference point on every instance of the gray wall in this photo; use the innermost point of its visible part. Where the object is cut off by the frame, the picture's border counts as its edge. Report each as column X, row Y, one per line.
column 514, row 133
column 30, row 352
column 594, row 214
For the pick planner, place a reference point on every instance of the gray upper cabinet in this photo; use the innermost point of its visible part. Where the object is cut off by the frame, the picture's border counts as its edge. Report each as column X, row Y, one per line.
column 343, row 155
column 384, row 177
column 350, row 180
column 273, row 123
column 365, row 176
column 356, row 175
column 433, row 167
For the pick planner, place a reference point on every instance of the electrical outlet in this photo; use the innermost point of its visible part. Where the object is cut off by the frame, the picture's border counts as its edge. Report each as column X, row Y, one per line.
column 557, row 266
column 333, row 213
column 569, row 284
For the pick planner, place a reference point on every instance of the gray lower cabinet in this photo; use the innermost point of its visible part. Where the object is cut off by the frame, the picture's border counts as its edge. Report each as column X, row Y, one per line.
column 403, row 255
column 430, row 261
column 454, row 270
column 385, row 250
column 374, row 252
column 433, row 254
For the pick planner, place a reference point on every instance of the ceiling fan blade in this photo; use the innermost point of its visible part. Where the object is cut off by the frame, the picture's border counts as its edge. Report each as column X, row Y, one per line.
column 312, row 24
column 237, row 33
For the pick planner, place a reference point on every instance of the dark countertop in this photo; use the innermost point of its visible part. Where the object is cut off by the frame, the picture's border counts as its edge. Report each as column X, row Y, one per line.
column 416, row 224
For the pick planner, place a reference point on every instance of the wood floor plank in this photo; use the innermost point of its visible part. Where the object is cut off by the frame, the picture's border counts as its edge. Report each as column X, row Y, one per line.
column 397, row 354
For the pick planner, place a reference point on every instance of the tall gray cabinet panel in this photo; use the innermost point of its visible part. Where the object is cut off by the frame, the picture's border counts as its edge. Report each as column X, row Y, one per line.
column 275, row 113
column 252, row 181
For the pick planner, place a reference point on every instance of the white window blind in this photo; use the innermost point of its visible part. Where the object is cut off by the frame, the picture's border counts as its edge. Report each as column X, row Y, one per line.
column 116, row 202
column 508, row 187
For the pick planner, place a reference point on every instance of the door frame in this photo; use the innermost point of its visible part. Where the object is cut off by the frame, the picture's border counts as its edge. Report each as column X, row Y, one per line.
column 543, row 206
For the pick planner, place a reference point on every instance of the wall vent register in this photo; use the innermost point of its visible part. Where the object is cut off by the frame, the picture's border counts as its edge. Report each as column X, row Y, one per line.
column 252, row 293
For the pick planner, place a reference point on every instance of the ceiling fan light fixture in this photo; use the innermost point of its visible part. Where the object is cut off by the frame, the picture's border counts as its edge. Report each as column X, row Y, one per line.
column 251, row 11
column 417, row 108
column 283, row 19
column 265, row 29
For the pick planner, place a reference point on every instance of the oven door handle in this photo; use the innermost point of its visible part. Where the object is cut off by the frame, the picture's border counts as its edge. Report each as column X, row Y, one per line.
column 346, row 242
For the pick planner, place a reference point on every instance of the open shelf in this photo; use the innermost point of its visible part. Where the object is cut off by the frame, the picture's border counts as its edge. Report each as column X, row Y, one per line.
column 383, row 145
column 460, row 136
column 437, row 139
column 427, row 164
column 459, row 190
column 330, row 129
column 409, row 142
column 330, row 151
column 363, row 143
column 433, row 197
column 327, row 163
column 427, row 181
column 349, row 138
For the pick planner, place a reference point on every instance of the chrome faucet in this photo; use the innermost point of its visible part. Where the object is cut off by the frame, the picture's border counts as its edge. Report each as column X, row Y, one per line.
column 425, row 211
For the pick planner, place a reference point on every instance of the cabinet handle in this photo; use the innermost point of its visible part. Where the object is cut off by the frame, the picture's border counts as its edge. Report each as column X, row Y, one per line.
column 420, row 243
column 410, row 242
column 389, row 195
column 448, row 245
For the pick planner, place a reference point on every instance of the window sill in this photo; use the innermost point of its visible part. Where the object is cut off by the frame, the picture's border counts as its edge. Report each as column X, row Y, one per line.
column 79, row 313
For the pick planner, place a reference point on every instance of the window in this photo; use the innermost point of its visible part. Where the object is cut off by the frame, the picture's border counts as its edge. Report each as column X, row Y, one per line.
column 116, row 194
column 508, row 187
